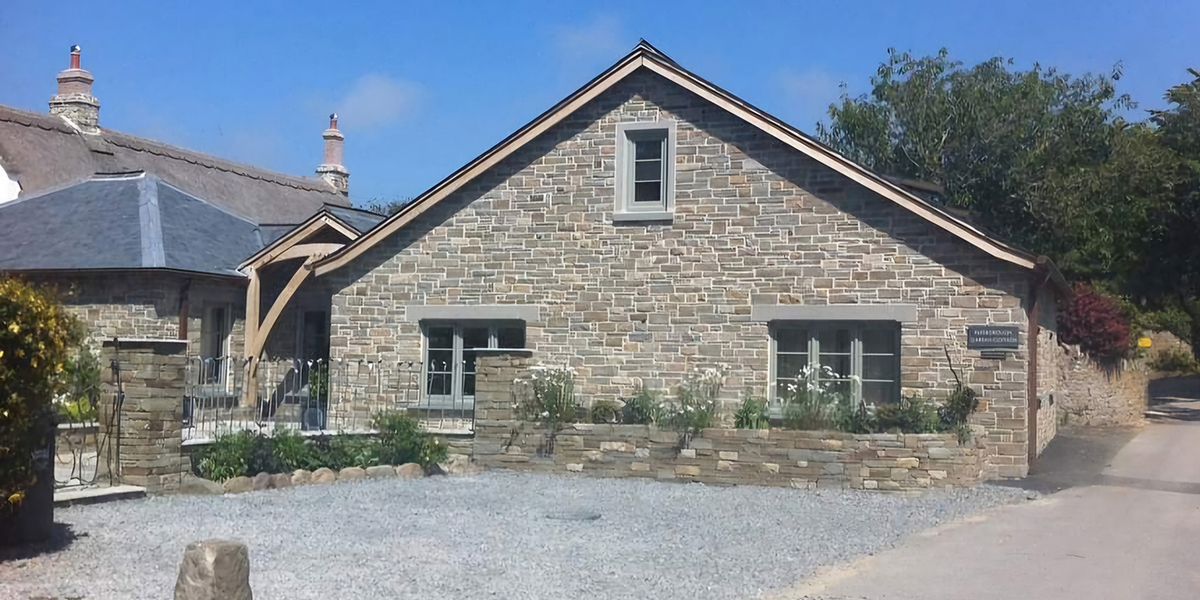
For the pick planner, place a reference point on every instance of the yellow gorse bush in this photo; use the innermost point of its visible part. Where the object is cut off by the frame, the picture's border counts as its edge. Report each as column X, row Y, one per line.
column 36, row 337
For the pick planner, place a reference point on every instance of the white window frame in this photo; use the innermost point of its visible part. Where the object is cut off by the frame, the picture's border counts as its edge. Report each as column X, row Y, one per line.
column 628, row 133
column 856, row 328
column 457, row 399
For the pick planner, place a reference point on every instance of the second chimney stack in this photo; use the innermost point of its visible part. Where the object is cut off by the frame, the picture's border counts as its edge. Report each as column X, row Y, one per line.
column 74, row 99
column 331, row 168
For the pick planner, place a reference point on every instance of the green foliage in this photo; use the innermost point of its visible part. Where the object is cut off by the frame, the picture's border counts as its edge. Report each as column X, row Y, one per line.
column 36, row 339
column 818, row 401
column 388, row 208
column 318, row 381
column 228, row 456
column 909, row 415
column 752, row 414
column 401, row 441
column 696, row 406
column 958, row 406
column 79, row 403
column 644, row 408
column 548, row 398
column 347, row 450
column 1175, row 360
column 292, row 451
column 605, row 411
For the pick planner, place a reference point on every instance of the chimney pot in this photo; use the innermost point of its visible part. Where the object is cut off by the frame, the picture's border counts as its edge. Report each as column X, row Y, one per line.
column 74, row 100
column 331, row 168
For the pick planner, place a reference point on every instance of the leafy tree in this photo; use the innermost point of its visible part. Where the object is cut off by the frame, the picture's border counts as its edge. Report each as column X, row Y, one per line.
column 1039, row 157
column 388, row 207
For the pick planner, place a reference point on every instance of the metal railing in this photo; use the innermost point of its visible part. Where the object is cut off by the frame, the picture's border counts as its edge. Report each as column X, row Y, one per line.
column 308, row 395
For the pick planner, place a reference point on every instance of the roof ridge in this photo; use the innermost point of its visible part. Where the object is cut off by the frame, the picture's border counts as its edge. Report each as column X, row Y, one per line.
column 29, row 118
column 141, row 144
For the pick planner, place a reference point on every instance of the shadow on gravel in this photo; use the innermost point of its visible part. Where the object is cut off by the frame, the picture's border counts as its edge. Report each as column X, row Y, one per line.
column 1076, row 457
column 61, row 538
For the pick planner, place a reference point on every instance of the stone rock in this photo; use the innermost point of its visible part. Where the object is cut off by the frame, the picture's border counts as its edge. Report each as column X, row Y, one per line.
column 281, row 480
column 899, row 474
column 870, row 484
column 200, row 486
column 301, row 477
column 323, row 475
column 639, row 466
column 239, row 485
column 833, row 469
column 937, row 474
column 593, row 456
column 410, row 471
column 381, row 471
column 804, row 484
column 724, row 465
column 727, row 455
column 641, row 453
column 575, row 468
column 262, row 481
column 768, row 467
column 940, row 453
column 460, row 464
column 351, row 473
column 687, row 471
column 214, row 570
column 907, row 463
column 687, row 453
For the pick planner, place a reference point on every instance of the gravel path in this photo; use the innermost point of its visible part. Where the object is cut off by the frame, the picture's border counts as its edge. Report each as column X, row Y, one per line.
column 488, row 536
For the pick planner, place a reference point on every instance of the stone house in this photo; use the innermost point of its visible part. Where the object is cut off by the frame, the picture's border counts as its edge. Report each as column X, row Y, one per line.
column 652, row 223
column 146, row 240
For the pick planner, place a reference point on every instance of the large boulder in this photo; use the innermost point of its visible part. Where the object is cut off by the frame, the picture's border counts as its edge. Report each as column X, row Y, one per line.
column 200, row 486
column 380, row 471
column 301, row 477
column 460, row 464
column 351, row 473
column 239, row 485
column 214, row 570
column 410, row 471
column 323, row 475
column 281, row 480
column 262, row 481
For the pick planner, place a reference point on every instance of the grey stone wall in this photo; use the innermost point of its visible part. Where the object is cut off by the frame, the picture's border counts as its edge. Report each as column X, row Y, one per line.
column 1092, row 393
column 756, row 223
column 149, row 428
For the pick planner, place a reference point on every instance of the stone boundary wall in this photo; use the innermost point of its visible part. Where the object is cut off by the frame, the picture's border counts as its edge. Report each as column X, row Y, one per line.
column 146, row 448
column 801, row 459
column 1090, row 393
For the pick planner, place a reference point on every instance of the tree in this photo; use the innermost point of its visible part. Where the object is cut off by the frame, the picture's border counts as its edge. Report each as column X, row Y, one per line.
column 1041, row 158
column 388, row 207
column 1170, row 276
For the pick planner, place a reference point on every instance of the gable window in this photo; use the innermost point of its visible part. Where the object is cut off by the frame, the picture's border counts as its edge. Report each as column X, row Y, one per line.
column 451, row 349
column 862, row 359
column 645, row 175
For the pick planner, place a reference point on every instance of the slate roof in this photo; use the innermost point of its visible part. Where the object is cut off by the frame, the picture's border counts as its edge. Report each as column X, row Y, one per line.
column 42, row 151
column 362, row 220
column 136, row 221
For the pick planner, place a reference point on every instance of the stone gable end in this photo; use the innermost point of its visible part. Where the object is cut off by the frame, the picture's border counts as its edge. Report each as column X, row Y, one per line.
column 756, row 222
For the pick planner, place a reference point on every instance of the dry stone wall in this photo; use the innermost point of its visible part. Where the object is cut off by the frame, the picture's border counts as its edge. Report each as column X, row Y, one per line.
column 756, row 223
column 801, row 459
column 1092, row 393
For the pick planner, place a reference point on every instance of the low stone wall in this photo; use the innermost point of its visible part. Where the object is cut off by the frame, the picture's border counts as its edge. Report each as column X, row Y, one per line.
column 1091, row 393
column 804, row 459
column 775, row 457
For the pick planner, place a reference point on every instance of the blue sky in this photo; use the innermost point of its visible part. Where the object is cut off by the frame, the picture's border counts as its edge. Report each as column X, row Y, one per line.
column 423, row 87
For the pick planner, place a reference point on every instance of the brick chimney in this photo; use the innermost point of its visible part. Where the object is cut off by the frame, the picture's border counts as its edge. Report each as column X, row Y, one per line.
column 74, row 99
column 331, row 168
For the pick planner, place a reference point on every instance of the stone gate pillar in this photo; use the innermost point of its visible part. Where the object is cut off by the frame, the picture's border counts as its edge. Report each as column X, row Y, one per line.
column 144, row 443
column 495, row 371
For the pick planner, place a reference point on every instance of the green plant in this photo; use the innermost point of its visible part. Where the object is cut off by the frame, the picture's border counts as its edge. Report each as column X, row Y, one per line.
column 292, row 451
column 401, row 440
column 605, row 411
column 696, row 406
column 346, row 450
column 228, row 456
column 318, row 382
column 548, row 398
column 909, row 415
column 752, row 414
column 79, row 403
column 1175, row 360
column 644, row 408
column 818, row 400
column 36, row 338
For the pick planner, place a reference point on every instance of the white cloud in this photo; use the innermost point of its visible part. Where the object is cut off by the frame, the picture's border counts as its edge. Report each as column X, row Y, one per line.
column 601, row 38
column 377, row 100
column 810, row 92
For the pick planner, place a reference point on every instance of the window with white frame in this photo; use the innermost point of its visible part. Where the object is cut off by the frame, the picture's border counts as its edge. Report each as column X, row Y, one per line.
column 645, row 170
column 862, row 358
column 451, row 349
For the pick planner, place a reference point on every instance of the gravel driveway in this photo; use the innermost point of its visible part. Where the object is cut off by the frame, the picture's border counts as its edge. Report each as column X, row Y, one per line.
column 488, row 536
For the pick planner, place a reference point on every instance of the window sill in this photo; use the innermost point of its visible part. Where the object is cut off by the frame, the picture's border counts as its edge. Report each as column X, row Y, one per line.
column 643, row 216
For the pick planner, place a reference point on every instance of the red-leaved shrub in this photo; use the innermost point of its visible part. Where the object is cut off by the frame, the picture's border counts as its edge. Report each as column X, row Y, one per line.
column 1095, row 323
